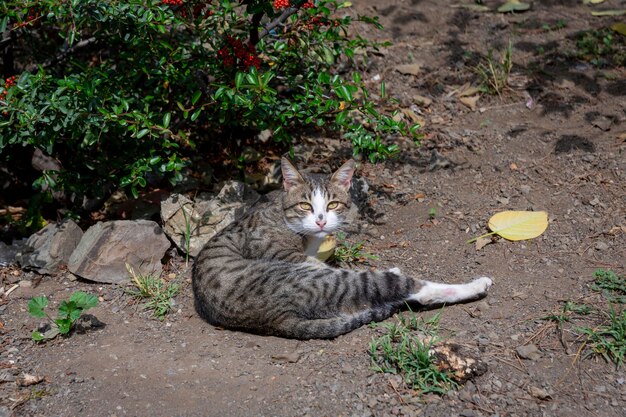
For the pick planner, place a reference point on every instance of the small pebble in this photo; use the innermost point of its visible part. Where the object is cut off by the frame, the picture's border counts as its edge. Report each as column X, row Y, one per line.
column 601, row 246
column 530, row 352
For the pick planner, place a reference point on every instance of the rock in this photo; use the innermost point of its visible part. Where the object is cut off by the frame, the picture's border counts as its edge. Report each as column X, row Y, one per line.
column 87, row 322
column 4, row 411
column 601, row 246
column 51, row 247
column 106, row 248
column 539, row 393
column 530, row 352
column 8, row 253
column 203, row 219
column 524, row 189
column 26, row 380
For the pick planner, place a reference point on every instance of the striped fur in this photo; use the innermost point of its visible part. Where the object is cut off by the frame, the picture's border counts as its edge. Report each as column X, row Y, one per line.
column 255, row 275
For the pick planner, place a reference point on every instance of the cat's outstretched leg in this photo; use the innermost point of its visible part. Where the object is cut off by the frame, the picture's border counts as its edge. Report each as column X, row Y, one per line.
column 437, row 293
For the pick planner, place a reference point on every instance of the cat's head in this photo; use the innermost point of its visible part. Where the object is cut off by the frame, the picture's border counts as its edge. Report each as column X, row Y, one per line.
column 314, row 204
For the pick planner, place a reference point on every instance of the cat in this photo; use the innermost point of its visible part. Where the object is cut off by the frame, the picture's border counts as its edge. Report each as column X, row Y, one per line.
column 260, row 274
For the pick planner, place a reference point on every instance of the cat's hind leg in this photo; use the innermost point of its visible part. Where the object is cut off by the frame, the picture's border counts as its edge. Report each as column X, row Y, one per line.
column 438, row 293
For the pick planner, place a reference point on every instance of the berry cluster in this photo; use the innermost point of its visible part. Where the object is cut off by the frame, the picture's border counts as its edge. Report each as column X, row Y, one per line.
column 308, row 5
column 318, row 21
column 235, row 52
column 173, row 2
column 33, row 15
column 8, row 83
column 281, row 4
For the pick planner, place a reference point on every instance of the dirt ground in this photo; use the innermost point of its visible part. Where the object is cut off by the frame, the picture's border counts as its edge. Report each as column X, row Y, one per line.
column 564, row 153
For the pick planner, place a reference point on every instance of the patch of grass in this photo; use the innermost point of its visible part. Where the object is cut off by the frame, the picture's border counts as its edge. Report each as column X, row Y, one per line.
column 404, row 350
column 609, row 339
column 158, row 292
column 494, row 72
column 566, row 313
column 611, row 285
column 559, row 24
column 601, row 47
column 350, row 253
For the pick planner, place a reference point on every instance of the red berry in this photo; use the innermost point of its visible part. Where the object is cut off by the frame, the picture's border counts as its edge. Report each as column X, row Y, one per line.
column 281, row 4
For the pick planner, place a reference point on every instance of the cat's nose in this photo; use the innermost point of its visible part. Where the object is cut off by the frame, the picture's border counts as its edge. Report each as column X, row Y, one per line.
column 321, row 223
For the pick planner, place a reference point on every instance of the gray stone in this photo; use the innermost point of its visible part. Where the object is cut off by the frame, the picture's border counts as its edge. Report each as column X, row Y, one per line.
column 8, row 253
column 601, row 246
column 530, row 352
column 200, row 220
column 51, row 247
column 106, row 248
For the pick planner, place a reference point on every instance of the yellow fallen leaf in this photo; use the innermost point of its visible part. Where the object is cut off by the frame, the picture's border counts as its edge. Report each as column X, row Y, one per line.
column 609, row 12
column 513, row 6
column 620, row 27
column 517, row 225
column 327, row 248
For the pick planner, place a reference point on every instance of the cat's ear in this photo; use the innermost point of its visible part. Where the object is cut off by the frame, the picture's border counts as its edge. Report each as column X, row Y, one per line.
column 291, row 176
column 343, row 176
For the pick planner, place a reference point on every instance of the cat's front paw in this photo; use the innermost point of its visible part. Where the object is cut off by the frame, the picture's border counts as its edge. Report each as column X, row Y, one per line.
column 395, row 270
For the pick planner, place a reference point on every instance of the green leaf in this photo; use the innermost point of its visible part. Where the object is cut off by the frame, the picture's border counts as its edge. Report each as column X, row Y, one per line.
column 343, row 93
column 166, row 119
column 239, row 79
column 66, row 308
column 37, row 336
column 84, row 300
column 196, row 114
column 65, row 325
column 142, row 133
column 36, row 306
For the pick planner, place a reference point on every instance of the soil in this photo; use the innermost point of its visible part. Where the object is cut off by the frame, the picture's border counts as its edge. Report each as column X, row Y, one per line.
column 555, row 141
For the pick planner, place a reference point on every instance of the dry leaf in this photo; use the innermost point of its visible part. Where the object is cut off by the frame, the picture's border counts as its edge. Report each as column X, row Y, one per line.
column 513, row 6
column 593, row 1
column 414, row 117
column 422, row 101
column 467, row 90
column 609, row 13
column 409, row 69
column 470, row 101
column 473, row 7
column 517, row 225
column 327, row 248
column 619, row 27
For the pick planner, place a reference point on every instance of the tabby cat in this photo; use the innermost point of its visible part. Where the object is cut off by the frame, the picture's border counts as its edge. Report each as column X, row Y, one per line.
column 260, row 274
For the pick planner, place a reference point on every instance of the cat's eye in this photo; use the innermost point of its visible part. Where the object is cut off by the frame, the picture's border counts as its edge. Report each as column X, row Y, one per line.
column 305, row 206
column 332, row 205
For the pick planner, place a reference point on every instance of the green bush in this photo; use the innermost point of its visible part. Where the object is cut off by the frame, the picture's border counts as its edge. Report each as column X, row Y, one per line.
column 121, row 93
